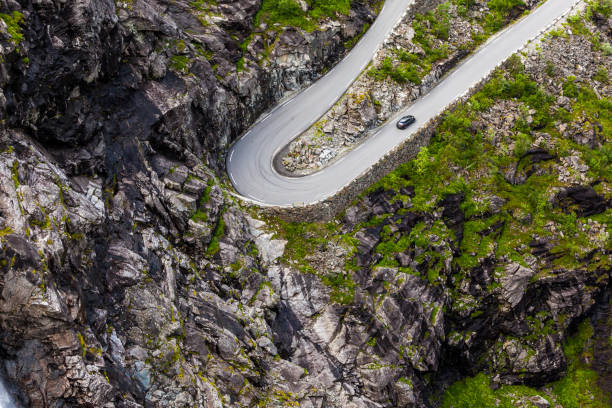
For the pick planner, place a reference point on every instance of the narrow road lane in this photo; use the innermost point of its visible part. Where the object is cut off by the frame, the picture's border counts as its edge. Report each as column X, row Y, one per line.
column 250, row 159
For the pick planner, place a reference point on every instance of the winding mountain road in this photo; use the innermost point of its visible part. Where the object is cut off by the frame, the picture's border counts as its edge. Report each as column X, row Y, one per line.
column 250, row 159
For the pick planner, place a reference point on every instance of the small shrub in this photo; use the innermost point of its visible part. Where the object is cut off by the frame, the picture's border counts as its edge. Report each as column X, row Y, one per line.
column 199, row 216
column 289, row 12
column 240, row 65
column 550, row 68
column 601, row 75
column 179, row 62
column 499, row 12
column 603, row 7
column 213, row 246
column 570, row 89
column 422, row 160
column 343, row 287
column 606, row 48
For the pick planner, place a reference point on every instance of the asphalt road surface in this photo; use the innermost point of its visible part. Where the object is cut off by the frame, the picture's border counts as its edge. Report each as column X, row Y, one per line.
column 250, row 159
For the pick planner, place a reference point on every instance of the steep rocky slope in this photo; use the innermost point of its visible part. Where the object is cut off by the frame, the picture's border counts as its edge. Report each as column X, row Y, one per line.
column 188, row 77
column 117, row 288
column 482, row 254
column 130, row 277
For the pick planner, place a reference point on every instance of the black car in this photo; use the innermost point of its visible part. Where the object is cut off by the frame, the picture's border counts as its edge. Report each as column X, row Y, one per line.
column 405, row 121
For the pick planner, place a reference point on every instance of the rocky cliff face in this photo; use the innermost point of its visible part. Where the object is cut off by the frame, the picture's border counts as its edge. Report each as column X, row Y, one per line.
column 461, row 260
column 125, row 266
column 129, row 277
column 185, row 77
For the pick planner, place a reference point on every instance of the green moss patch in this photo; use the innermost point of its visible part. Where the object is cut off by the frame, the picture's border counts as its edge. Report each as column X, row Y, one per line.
column 180, row 63
column 213, row 246
column 14, row 22
column 288, row 13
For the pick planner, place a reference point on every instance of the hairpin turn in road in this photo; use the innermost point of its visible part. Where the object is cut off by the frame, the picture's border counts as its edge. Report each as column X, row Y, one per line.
column 250, row 159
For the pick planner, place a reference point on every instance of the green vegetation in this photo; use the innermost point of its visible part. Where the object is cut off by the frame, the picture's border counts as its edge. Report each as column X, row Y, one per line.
column 179, row 63
column 570, row 89
column 578, row 389
column 202, row 5
column 461, row 142
column 206, row 195
column 411, row 69
column 202, row 9
column 475, row 392
column 14, row 22
column 15, row 174
column 342, row 286
column 606, row 48
column 432, row 35
column 278, row 398
column 425, row 240
column 6, row 231
column 201, row 215
column 82, row 343
column 602, row 75
column 240, row 65
column 289, row 13
column 603, row 7
column 499, row 12
column 213, row 246
column 403, row 66
column 304, row 239
column 45, row 222
column 577, row 24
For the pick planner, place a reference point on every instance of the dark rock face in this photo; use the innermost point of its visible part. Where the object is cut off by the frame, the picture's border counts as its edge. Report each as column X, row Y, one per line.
column 89, row 73
column 583, row 199
column 489, row 320
column 124, row 266
column 602, row 357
